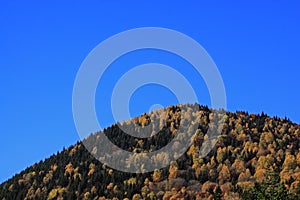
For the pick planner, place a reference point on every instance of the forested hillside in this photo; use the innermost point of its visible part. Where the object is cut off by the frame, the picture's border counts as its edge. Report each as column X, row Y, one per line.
column 255, row 157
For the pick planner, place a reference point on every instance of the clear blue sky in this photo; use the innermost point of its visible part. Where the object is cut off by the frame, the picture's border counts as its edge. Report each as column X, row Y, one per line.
column 255, row 45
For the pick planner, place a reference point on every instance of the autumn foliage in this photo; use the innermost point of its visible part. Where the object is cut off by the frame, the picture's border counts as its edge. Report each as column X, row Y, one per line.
column 255, row 156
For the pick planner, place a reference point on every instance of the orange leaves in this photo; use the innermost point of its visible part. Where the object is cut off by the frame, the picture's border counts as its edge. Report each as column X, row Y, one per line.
column 173, row 170
column 193, row 151
column 260, row 175
column 157, row 175
column 288, row 169
column 69, row 169
column 238, row 166
column 290, row 162
column 221, row 154
column 92, row 169
column 224, row 174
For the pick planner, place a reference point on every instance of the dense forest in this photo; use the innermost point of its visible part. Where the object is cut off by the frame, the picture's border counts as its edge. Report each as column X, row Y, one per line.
column 254, row 157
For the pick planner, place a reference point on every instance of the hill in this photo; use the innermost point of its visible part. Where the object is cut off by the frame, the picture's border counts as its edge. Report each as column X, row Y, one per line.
column 254, row 157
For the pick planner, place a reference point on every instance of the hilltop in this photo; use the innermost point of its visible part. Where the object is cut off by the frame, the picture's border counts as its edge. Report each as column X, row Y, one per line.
column 254, row 157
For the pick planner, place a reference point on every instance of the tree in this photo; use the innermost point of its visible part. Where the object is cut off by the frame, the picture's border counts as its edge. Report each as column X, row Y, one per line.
column 224, row 174
column 173, row 170
column 157, row 175
column 269, row 189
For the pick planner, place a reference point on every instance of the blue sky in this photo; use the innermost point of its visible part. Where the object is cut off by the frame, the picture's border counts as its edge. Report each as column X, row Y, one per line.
column 255, row 45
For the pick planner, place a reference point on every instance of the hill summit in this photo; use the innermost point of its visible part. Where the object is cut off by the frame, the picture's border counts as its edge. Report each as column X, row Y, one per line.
column 253, row 157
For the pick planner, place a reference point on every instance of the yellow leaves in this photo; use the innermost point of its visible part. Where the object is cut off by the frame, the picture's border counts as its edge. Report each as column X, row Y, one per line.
column 168, row 195
column 298, row 158
column 30, row 193
column 244, row 176
column 61, row 190
column 92, row 166
column 173, row 170
column 136, row 197
column 226, row 187
column 238, row 166
column 94, row 151
column 76, row 174
column 73, row 150
column 212, row 163
column 48, row 177
column 286, row 176
column 86, row 195
column 289, row 162
column 157, row 175
column 241, row 137
column 260, row 175
column 254, row 131
column 221, row 153
column 56, row 192
column 143, row 120
column 135, row 159
column 237, row 149
column 93, row 190
column 146, row 182
column 248, row 173
column 52, row 194
column 288, row 171
column 193, row 151
column 197, row 162
column 151, row 196
column 140, row 143
column 208, row 186
column 173, row 128
column 104, row 166
column 239, row 128
column 135, row 150
column 116, row 189
column 131, row 181
column 271, row 148
column 268, row 137
column 295, row 187
column 144, row 191
column 38, row 193
column 297, row 133
column 11, row 187
column 69, row 169
column 110, row 186
column 246, row 185
column 54, row 167
column 224, row 174
column 28, row 176
column 250, row 148
column 265, row 162
column 283, row 129
column 92, row 169
column 161, row 158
